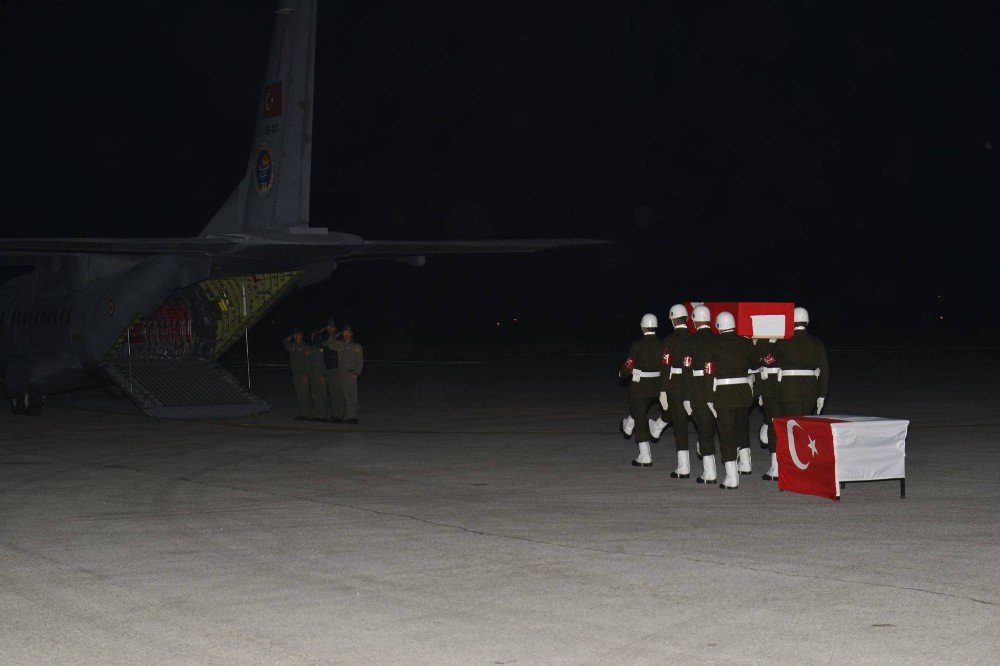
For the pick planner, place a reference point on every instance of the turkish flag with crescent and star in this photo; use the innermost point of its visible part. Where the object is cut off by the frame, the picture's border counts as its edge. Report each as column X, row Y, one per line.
column 806, row 459
column 272, row 100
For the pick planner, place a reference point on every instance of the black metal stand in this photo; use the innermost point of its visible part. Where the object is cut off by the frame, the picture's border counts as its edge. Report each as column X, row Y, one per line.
column 902, row 485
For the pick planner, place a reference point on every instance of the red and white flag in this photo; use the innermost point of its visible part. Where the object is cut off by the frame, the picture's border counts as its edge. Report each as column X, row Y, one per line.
column 765, row 320
column 272, row 100
column 753, row 319
column 817, row 453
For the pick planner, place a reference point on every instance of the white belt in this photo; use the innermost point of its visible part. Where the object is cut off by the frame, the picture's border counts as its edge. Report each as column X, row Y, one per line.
column 729, row 381
column 764, row 372
column 676, row 371
column 698, row 373
column 639, row 374
column 798, row 373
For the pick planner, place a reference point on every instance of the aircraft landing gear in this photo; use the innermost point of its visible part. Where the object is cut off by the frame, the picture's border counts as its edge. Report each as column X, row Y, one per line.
column 29, row 402
column 34, row 399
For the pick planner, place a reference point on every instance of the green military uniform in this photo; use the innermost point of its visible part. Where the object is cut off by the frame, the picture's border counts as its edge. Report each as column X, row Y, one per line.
column 767, row 384
column 317, row 384
column 642, row 369
column 803, row 374
column 299, row 358
column 335, row 389
column 701, row 389
column 351, row 362
column 677, row 383
column 729, row 357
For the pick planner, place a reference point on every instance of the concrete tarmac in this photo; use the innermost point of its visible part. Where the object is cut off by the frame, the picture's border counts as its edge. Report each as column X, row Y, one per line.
column 488, row 514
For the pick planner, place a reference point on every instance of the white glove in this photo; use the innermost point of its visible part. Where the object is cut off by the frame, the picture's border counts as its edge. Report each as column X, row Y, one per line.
column 711, row 408
column 663, row 401
column 819, row 405
column 687, row 407
column 760, row 400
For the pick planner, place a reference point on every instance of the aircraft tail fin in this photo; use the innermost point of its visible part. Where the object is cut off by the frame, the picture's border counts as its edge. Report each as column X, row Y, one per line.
column 274, row 192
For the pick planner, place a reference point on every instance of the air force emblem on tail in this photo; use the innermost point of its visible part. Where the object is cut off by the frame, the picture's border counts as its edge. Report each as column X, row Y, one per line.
column 264, row 170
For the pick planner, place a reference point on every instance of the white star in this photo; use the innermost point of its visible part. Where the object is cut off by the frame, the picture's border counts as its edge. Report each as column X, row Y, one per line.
column 812, row 446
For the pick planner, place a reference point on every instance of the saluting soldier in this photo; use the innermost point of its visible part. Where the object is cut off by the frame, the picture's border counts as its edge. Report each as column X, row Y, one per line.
column 331, row 342
column 300, row 359
column 803, row 375
column 675, row 386
column 730, row 357
column 351, row 363
column 698, row 403
column 642, row 370
column 321, row 410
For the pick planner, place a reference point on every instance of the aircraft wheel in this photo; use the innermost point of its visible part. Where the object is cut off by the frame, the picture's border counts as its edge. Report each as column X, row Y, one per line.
column 33, row 401
column 16, row 405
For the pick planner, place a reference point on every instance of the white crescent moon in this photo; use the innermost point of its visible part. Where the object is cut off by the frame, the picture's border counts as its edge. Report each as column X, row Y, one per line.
column 791, row 444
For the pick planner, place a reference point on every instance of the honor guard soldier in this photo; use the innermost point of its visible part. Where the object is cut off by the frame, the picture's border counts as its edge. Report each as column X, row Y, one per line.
column 803, row 375
column 675, row 385
column 698, row 403
column 299, row 358
column 730, row 358
column 331, row 342
column 766, row 389
column 351, row 362
column 642, row 370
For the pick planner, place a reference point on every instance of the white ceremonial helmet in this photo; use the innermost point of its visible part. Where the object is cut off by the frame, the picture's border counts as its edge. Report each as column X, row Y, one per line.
column 648, row 321
column 801, row 316
column 677, row 311
column 701, row 314
column 725, row 321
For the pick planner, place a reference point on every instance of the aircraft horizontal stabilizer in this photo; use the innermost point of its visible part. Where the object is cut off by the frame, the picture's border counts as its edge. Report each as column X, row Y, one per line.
column 138, row 246
column 274, row 249
column 410, row 248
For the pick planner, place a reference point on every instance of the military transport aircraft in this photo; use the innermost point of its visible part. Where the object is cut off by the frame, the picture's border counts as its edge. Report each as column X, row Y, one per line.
column 152, row 315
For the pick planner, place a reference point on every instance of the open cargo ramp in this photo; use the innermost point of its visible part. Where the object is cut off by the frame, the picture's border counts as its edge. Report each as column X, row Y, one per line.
column 184, row 388
column 166, row 362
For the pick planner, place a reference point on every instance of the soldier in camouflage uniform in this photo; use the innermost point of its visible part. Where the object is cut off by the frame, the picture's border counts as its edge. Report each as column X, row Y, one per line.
column 642, row 370
column 803, row 375
column 675, row 387
column 321, row 410
column 299, row 359
column 697, row 404
column 351, row 362
column 331, row 341
column 729, row 359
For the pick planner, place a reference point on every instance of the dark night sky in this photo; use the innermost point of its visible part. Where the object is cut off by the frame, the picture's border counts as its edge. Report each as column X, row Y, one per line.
column 841, row 158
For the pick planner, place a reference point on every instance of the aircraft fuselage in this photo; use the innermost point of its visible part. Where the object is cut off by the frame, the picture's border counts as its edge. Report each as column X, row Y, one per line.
column 67, row 326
